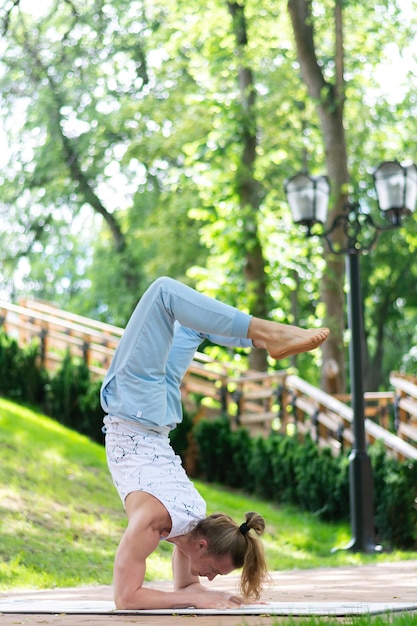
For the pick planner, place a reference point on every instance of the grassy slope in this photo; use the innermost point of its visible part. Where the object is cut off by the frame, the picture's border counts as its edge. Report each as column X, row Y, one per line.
column 61, row 518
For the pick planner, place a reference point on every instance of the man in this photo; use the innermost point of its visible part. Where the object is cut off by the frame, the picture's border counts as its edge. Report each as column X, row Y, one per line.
column 142, row 398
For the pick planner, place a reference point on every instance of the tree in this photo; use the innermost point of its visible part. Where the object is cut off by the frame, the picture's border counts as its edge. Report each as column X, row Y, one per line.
column 154, row 138
column 79, row 74
column 324, row 76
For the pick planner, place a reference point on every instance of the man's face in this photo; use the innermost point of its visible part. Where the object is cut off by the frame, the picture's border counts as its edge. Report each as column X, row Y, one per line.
column 207, row 566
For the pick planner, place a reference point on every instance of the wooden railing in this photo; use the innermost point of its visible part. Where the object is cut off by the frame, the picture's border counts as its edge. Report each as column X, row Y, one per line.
column 58, row 332
column 260, row 401
column 405, row 405
column 330, row 421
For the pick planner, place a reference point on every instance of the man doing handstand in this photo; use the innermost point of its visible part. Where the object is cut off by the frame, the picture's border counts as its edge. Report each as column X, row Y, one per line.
column 142, row 400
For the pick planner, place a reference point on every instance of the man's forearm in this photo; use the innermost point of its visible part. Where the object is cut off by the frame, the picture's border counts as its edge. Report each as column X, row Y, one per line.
column 147, row 598
column 195, row 595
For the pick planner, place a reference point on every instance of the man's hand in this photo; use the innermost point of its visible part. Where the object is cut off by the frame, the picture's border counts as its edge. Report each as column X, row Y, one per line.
column 203, row 598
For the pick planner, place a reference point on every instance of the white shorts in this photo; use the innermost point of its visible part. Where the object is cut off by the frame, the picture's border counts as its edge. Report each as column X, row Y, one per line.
column 142, row 459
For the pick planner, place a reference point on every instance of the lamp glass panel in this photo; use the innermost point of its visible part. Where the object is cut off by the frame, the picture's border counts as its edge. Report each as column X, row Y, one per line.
column 322, row 199
column 300, row 196
column 390, row 183
column 411, row 188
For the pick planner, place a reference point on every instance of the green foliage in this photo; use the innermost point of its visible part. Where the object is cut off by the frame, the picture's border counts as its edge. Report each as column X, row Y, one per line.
column 285, row 471
column 126, row 130
column 69, row 395
column 267, row 474
column 21, row 376
column 322, row 481
column 215, row 460
column 396, row 505
column 73, row 398
column 409, row 360
column 389, row 287
column 180, row 436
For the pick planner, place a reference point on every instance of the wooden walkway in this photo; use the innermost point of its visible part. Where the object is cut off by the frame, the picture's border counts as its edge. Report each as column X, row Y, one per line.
column 262, row 402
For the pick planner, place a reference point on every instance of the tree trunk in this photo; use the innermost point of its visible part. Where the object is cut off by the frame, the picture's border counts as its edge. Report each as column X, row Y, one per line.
column 330, row 104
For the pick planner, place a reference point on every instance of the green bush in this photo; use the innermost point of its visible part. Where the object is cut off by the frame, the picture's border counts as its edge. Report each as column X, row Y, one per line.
column 73, row 398
column 322, row 481
column 238, row 458
column 396, row 501
column 180, row 436
column 69, row 395
column 21, row 376
column 272, row 468
column 284, row 470
column 213, row 439
column 259, row 477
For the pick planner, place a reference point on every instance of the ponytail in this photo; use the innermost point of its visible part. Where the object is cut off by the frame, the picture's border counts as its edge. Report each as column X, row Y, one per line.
column 254, row 570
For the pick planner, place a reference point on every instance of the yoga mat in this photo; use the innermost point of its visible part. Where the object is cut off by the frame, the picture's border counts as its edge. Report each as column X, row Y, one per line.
column 100, row 607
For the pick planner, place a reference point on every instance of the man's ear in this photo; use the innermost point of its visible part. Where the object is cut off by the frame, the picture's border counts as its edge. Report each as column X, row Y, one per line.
column 202, row 544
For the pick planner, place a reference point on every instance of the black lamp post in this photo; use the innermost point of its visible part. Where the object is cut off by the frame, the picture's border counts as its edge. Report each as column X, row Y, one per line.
column 396, row 187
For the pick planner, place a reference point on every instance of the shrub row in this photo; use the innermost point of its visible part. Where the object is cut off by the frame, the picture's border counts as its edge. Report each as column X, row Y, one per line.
column 69, row 395
column 284, row 470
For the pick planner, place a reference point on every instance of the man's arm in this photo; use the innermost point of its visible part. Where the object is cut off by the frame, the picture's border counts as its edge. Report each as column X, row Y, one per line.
column 136, row 545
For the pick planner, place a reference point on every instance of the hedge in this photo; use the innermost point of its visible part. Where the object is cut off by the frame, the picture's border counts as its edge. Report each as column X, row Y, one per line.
column 284, row 470
column 69, row 395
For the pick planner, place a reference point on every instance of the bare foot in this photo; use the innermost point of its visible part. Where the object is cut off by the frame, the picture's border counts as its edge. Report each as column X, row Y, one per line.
column 284, row 340
column 297, row 340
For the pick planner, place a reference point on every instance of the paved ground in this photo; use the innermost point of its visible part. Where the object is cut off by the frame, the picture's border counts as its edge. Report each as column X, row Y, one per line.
column 384, row 582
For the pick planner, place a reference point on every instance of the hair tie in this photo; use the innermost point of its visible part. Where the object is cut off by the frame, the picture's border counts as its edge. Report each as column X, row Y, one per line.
column 244, row 528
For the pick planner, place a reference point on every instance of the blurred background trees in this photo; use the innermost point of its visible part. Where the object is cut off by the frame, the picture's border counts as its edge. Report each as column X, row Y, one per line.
column 147, row 138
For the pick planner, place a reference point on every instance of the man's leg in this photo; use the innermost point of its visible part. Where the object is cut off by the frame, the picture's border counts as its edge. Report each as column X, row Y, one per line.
column 147, row 339
column 141, row 357
column 136, row 383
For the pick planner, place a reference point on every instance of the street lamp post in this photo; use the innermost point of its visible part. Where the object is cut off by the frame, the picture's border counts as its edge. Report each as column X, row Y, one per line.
column 308, row 196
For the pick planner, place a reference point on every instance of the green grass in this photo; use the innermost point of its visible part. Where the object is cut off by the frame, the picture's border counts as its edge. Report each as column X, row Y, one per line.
column 61, row 518
column 393, row 619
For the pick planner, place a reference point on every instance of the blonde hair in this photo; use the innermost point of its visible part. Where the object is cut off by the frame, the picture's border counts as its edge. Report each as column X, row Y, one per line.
column 226, row 537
